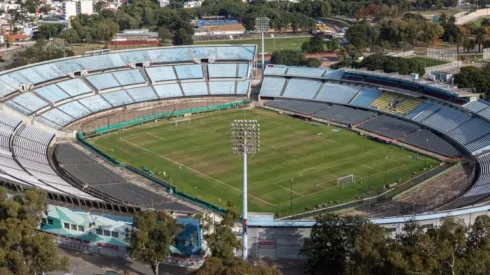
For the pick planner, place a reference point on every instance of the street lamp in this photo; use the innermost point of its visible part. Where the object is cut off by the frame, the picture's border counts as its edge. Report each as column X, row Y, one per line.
column 245, row 139
column 262, row 25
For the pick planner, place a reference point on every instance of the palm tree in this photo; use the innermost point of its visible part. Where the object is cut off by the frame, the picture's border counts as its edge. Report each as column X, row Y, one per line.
column 480, row 37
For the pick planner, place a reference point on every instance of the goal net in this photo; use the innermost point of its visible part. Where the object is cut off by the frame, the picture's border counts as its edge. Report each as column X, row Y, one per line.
column 181, row 121
column 346, row 181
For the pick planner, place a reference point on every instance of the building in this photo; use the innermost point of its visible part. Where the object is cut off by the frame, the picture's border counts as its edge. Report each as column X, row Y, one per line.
column 163, row 3
column 74, row 8
column 85, row 7
column 69, row 9
column 135, row 37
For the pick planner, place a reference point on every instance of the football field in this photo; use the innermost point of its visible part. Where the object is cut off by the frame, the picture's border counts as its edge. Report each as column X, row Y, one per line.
column 299, row 161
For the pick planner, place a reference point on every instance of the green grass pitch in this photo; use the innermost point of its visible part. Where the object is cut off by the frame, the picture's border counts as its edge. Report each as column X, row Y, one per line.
column 271, row 44
column 429, row 62
column 197, row 157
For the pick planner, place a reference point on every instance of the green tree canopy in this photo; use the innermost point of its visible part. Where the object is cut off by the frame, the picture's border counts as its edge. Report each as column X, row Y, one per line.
column 150, row 239
column 23, row 249
column 293, row 58
column 314, row 45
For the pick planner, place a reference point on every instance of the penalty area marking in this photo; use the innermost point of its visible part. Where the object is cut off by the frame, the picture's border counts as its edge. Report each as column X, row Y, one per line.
column 195, row 171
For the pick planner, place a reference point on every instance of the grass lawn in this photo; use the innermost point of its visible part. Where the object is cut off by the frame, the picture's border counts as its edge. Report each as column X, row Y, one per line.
column 429, row 62
column 477, row 22
column 198, row 160
column 270, row 44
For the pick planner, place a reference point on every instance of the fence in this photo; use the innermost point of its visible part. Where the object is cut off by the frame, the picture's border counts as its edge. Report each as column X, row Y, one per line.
column 170, row 188
column 453, row 67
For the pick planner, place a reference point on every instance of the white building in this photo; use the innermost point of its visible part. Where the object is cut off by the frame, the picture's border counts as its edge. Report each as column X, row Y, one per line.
column 163, row 3
column 76, row 7
column 85, row 7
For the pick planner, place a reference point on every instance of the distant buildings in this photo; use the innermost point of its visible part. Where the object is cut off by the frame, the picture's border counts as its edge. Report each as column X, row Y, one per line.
column 135, row 37
column 76, row 7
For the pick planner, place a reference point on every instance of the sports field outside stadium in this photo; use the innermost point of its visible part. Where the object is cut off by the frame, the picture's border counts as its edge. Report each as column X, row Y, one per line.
column 196, row 157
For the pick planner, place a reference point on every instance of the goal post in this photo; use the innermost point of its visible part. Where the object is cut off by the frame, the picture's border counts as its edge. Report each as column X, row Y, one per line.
column 181, row 121
column 346, row 181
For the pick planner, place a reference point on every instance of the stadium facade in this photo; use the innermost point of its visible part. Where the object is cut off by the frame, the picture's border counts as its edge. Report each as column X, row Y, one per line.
column 43, row 104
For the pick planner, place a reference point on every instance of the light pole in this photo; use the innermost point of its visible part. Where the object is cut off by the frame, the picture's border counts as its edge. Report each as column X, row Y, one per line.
column 245, row 139
column 262, row 25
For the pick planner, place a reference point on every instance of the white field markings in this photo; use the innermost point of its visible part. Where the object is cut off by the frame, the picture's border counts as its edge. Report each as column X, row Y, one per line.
column 328, row 188
column 195, row 171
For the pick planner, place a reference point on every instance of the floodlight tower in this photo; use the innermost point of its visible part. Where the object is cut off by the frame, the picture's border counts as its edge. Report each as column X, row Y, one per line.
column 262, row 25
column 245, row 139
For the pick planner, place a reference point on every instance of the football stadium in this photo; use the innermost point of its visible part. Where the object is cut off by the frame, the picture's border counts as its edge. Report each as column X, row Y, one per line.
column 107, row 134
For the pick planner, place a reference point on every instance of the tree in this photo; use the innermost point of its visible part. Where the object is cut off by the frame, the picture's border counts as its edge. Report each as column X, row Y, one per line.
column 50, row 30
column 331, row 243
column 23, row 249
column 182, row 37
column 149, row 240
column 313, row 45
column 214, row 266
column 479, row 37
column 333, row 44
column 164, row 34
column 222, row 241
column 293, row 58
column 359, row 35
column 70, row 36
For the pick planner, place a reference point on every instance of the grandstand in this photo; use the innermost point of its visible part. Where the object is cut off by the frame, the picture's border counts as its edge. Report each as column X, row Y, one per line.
column 40, row 102
column 464, row 126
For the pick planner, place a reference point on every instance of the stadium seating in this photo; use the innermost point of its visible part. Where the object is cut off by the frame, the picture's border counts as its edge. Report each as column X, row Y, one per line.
column 195, row 89
column 305, row 71
column 27, row 103
column 52, row 93
column 395, row 103
column 157, row 74
column 275, row 71
column 74, row 87
column 302, row 88
column 95, row 103
column 129, row 77
column 168, row 91
column 337, row 93
column 30, row 150
column 296, row 106
column 243, row 70
column 204, row 52
column 189, row 71
column 222, row 87
column 137, row 56
column 236, row 53
column 365, row 97
column 103, row 81
column 75, row 109
column 229, row 70
column 95, row 176
column 476, row 106
column 343, row 114
column 470, row 130
column 427, row 112
column 56, row 116
column 102, row 62
column 272, row 86
column 389, row 126
column 142, row 94
column 242, row 87
column 118, row 98
column 427, row 140
column 446, row 119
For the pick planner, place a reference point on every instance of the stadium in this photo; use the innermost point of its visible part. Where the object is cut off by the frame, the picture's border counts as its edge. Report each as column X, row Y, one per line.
column 150, row 129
